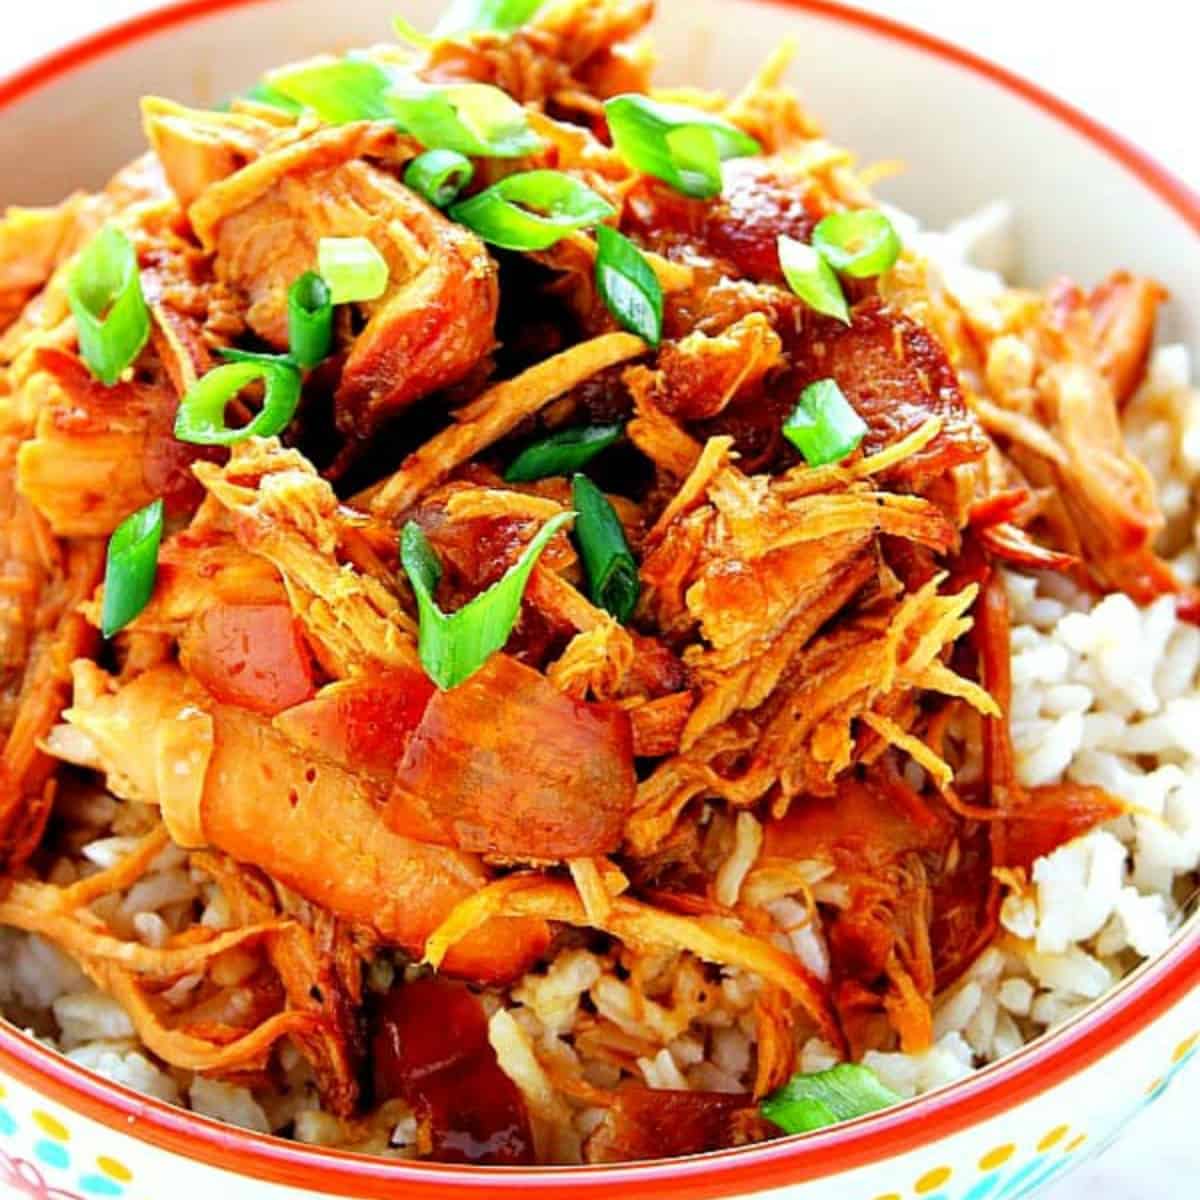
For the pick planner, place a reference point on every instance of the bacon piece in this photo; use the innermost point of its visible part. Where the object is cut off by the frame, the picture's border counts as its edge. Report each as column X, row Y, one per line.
column 896, row 376
column 431, row 1047
column 317, row 828
column 645, row 1123
column 251, row 655
column 506, row 764
column 761, row 199
column 362, row 724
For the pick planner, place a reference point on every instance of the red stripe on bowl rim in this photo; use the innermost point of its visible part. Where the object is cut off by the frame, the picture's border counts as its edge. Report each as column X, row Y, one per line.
column 1134, row 1004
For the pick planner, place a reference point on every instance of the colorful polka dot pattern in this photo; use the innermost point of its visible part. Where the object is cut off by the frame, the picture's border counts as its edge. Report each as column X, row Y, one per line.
column 51, row 1147
column 1003, row 1172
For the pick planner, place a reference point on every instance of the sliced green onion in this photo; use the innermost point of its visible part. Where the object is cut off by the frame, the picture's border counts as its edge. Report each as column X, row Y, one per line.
column 105, row 295
column 406, row 31
column 808, row 1102
column 628, row 286
column 131, row 567
column 201, row 416
column 233, row 354
column 812, row 278
column 264, row 93
column 472, row 118
column 681, row 146
column 611, row 569
column 496, row 16
column 338, row 90
column 453, row 646
column 860, row 243
column 310, row 320
column 823, row 426
column 354, row 270
column 439, row 175
column 501, row 214
column 561, row 453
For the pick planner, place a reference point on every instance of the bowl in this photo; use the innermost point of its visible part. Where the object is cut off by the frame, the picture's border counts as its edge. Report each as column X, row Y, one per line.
column 971, row 132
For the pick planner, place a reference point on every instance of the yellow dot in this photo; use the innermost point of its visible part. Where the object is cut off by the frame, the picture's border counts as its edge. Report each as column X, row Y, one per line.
column 997, row 1158
column 1054, row 1137
column 889, row 1196
column 1185, row 1048
column 1073, row 1146
column 51, row 1127
column 932, row 1180
column 117, row 1170
column 1154, row 1086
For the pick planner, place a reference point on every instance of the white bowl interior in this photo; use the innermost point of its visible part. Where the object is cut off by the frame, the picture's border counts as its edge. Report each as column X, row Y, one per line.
column 967, row 140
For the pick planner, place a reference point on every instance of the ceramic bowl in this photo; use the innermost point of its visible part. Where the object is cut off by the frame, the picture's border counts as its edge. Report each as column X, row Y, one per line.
column 971, row 133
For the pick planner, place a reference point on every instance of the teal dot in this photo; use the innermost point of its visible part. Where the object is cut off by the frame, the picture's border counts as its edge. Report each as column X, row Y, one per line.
column 985, row 1187
column 99, row 1185
column 1016, row 1183
column 52, row 1154
column 1034, row 1186
column 7, row 1125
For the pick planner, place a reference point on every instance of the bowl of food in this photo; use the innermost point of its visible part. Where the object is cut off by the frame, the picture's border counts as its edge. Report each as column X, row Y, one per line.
column 565, row 633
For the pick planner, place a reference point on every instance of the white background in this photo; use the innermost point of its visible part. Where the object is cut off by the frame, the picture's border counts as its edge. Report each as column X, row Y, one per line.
column 1132, row 65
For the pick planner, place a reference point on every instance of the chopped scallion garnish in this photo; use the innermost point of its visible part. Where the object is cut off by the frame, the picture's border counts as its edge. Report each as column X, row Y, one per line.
column 406, row 31
column 808, row 1102
column 104, row 292
column 131, row 567
column 823, row 426
column 201, row 416
column 353, row 268
column 532, row 210
column 310, row 320
column 628, row 286
column 611, row 568
column 439, row 175
column 681, row 146
column 495, row 16
column 561, row 453
column 860, row 242
column 453, row 646
column 338, row 90
column 472, row 118
column 264, row 93
column 812, row 278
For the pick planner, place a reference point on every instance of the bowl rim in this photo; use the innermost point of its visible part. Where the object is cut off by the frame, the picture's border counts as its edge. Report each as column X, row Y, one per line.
column 1136, row 1002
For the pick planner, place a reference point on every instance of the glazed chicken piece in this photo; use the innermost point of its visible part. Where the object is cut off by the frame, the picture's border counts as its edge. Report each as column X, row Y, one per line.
column 198, row 148
column 434, row 323
column 1124, row 312
column 41, row 632
column 1053, row 408
column 33, row 241
column 100, row 453
column 567, row 53
column 224, row 777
